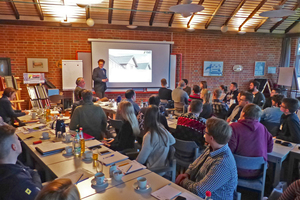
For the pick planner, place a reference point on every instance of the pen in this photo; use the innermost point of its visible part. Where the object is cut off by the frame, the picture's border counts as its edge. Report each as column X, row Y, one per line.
column 79, row 179
column 128, row 169
column 109, row 156
column 123, row 164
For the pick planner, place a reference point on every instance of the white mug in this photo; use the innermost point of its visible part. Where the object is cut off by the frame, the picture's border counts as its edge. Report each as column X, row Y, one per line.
column 118, row 175
column 88, row 154
column 33, row 115
column 69, row 149
column 142, row 182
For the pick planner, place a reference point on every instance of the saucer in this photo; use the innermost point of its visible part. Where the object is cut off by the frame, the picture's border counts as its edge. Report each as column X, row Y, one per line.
column 42, row 138
column 103, row 185
column 136, row 187
column 87, row 159
column 67, row 154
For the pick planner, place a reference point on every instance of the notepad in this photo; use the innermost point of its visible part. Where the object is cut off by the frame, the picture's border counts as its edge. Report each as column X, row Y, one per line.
column 112, row 158
column 92, row 143
column 50, row 148
column 166, row 192
column 75, row 175
column 135, row 166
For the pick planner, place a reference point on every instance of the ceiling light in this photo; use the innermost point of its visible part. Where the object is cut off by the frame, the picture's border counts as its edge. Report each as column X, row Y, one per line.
column 224, row 28
column 241, row 32
column 277, row 12
column 186, row 8
column 190, row 29
column 90, row 22
column 131, row 26
column 65, row 23
column 275, row 19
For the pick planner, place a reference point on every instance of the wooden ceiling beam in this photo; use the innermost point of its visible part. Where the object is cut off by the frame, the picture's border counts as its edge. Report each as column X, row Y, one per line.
column 157, row 2
column 234, row 12
column 38, row 8
column 133, row 8
column 87, row 12
column 292, row 25
column 188, row 24
column 110, row 11
column 264, row 20
column 283, row 19
column 214, row 13
column 253, row 13
column 173, row 14
column 14, row 8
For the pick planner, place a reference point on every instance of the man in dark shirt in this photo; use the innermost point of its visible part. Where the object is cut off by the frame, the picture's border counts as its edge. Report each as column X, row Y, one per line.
column 232, row 94
column 289, row 129
column 164, row 92
column 258, row 97
column 100, row 79
column 269, row 100
column 80, row 84
column 16, row 180
column 187, row 89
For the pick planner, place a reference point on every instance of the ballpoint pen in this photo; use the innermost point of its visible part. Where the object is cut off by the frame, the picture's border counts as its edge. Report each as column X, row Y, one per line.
column 79, row 179
column 128, row 169
column 109, row 156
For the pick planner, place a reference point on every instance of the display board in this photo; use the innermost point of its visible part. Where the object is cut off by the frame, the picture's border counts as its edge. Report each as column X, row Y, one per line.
column 71, row 70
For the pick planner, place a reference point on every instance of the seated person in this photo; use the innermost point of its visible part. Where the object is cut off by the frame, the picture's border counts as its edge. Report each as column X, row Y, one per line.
column 220, row 108
column 187, row 88
column 215, row 169
column 196, row 93
column 131, row 97
column 80, row 84
column 179, row 95
column 59, row 189
column 232, row 94
column 289, row 129
column 190, row 126
column 89, row 116
column 129, row 131
column 250, row 138
column 203, row 85
column 245, row 98
column 207, row 110
column 223, row 88
column 269, row 99
column 258, row 97
column 16, row 180
column 6, row 110
column 292, row 192
column 164, row 92
column 77, row 103
column 156, row 142
column 271, row 116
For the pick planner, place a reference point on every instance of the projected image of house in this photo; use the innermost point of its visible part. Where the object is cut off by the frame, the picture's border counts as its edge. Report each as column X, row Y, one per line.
column 126, row 62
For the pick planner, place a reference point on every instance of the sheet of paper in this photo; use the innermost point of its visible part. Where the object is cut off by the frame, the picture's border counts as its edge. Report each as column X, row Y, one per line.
column 166, row 192
column 114, row 157
column 92, row 143
column 81, row 173
column 135, row 166
column 189, row 196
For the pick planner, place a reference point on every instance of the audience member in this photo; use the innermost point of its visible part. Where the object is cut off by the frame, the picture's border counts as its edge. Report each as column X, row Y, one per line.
column 196, row 93
column 190, row 126
column 16, row 180
column 2, row 122
column 77, row 103
column 80, row 84
column 289, row 129
column 220, row 108
column 207, row 106
column 245, row 98
column 203, row 85
column 89, row 116
column 292, row 192
column 129, row 130
column 187, row 89
column 224, row 91
column 59, row 189
column 258, row 97
column 8, row 114
column 250, row 138
column 215, row 169
column 156, row 142
column 179, row 95
column 164, row 92
column 131, row 97
column 271, row 116
column 232, row 94
column 269, row 100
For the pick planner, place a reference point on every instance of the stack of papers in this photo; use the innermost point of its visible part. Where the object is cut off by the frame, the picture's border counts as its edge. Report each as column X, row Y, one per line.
column 50, row 148
column 112, row 158
column 131, row 166
column 166, row 192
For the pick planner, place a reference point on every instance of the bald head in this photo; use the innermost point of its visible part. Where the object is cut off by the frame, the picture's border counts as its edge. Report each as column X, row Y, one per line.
column 181, row 84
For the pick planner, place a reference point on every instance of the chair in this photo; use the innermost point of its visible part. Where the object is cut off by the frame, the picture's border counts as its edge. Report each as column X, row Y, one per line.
column 186, row 152
column 116, row 124
column 252, row 163
column 172, row 165
column 55, row 99
column 237, row 195
column 271, row 127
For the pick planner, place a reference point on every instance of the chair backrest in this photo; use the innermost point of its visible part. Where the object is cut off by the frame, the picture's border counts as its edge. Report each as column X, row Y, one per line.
column 250, row 163
column 164, row 101
column 186, row 150
column 55, row 98
column 171, row 154
column 117, row 124
column 178, row 106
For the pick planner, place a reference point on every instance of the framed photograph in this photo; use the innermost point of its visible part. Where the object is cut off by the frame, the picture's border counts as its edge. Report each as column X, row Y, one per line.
column 37, row 64
column 271, row 70
column 5, row 67
column 259, row 69
column 213, row 68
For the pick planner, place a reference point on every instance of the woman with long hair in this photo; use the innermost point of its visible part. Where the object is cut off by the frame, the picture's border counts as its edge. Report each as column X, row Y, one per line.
column 207, row 104
column 203, row 85
column 156, row 141
column 59, row 189
column 129, row 130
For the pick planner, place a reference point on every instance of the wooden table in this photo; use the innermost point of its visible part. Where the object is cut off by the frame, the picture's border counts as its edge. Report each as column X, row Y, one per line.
column 294, row 157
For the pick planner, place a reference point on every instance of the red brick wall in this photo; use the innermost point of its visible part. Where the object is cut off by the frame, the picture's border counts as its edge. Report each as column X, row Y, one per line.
column 21, row 42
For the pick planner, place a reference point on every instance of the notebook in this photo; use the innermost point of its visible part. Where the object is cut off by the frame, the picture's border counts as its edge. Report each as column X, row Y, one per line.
column 50, row 148
column 78, row 175
column 166, row 192
column 92, row 143
column 112, row 158
column 133, row 165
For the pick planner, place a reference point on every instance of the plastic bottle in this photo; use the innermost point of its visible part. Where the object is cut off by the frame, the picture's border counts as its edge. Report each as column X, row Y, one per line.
column 142, row 103
column 76, row 143
column 80, row 133
column 208, row 195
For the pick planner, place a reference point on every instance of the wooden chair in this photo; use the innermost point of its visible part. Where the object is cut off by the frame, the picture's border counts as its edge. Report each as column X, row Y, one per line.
column 55, row 100
column 252, row 163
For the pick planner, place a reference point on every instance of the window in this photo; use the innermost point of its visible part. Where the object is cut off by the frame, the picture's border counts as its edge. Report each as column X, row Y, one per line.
column 297, row 63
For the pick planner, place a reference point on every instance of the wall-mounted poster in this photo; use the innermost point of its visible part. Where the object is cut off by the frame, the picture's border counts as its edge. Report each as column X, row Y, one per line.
column 213, row 68
column 259, row 69
column 33, row 78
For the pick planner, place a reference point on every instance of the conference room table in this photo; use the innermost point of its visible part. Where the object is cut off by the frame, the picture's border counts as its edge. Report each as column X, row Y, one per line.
column 59, row 165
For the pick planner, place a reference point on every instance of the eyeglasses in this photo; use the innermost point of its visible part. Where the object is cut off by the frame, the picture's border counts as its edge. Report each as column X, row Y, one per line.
column 282, row 106
column 205, row 132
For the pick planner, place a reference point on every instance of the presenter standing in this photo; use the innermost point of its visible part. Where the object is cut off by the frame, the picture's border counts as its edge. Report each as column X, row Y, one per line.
column 100, row 79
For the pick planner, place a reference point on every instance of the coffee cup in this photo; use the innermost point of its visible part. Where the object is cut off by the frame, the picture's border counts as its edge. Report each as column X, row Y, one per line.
column 43, row 121
column 33, row 115
column 69, row 149
column 112, row 169
column 99, row 177
column 68, row 137
column 142, row 182
column 45, row 135
column 170, row 116
column 118, row 175
column 88, row 154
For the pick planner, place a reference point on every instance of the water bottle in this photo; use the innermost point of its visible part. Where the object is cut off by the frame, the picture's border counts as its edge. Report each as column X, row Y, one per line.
column 76, row 143
column 81, row 133
column 208, row 195
column 141, row 103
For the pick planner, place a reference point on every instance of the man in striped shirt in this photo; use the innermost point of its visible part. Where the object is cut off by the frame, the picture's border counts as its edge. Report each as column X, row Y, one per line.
column 215, row 170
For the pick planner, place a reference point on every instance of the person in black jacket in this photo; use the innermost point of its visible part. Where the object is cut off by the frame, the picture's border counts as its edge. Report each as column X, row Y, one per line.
column 232, row 94
column 6, row 111
column 100, row 79
column 16, row 180
column 164, row 92
column 289, row 129
column 269, row 100
column 258, row 97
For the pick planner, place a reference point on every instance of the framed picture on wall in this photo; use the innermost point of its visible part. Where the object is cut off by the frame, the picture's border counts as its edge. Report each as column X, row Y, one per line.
column 5, row 68
column 259, row 69
column 37, row 64
column 213, row 68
